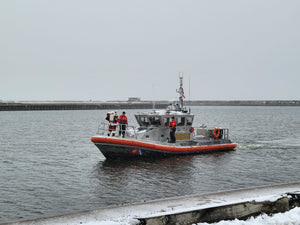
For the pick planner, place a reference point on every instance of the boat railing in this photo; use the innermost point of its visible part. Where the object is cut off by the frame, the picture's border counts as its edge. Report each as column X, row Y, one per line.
column 226, row 134
column 134, row 132
column 205, row 132
column 103, row 129
column 130, row 132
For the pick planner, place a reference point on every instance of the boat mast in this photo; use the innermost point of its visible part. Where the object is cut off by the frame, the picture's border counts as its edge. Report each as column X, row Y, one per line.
column 181, row 92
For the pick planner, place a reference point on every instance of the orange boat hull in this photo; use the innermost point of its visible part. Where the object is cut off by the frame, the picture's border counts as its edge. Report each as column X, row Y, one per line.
column 118, row 148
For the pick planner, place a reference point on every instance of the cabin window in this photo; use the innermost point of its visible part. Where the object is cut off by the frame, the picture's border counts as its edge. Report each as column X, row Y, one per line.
column 166, row 121
column 143, row 121
column 154, row 121
column 189, row 121
column 181, row 121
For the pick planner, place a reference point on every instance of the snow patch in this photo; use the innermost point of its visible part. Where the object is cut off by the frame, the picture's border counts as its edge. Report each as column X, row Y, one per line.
column 291, row 217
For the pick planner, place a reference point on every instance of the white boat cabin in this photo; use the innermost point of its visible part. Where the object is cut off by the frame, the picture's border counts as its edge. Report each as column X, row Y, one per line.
column 163, row 119
column 159, row 121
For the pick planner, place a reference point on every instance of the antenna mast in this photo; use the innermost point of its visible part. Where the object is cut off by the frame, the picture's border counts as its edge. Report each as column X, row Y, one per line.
column 190, row 94
column 180, row 91
column 153, row 102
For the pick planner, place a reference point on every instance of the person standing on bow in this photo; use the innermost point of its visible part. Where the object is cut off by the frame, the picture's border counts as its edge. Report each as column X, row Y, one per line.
column 172, row 130
column 122, row 124
column 112, row 119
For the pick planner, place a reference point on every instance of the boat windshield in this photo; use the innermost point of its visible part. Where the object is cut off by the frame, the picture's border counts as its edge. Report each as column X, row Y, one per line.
column 145, row 121
column 149, row 120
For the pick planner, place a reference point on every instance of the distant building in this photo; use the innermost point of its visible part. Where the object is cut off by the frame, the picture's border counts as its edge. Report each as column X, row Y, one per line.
column 134, row 99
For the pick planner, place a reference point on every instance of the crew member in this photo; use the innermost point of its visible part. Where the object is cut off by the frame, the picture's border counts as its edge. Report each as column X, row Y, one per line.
column 172, row 130
column 112, row 119
column 122, row 124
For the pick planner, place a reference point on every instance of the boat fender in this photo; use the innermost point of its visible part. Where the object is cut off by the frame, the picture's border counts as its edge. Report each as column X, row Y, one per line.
column 192, row 129
column 216, row 133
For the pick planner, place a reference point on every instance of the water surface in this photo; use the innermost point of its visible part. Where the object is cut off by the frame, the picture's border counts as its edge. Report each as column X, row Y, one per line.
column 49, row 165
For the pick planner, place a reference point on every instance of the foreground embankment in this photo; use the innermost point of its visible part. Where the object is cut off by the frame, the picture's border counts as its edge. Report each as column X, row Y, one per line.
column 85, row 105
column 211, row 207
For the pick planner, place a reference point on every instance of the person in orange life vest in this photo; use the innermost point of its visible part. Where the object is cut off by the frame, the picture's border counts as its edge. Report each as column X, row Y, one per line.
column 173, row 130
column 122, row 123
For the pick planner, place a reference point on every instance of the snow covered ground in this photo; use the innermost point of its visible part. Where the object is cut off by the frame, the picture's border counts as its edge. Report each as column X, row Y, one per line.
column 126, row 214
column 291, row 217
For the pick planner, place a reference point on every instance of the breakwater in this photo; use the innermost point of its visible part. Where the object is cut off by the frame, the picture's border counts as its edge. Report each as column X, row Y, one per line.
column 245, row 103
column 26, row 106
column 87, row 105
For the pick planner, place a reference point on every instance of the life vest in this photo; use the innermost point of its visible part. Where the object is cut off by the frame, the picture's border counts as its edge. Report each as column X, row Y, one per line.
column 173, row 124
column 123, row 119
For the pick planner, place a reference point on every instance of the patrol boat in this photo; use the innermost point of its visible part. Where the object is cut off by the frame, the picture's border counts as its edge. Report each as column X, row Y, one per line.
column 151, row 139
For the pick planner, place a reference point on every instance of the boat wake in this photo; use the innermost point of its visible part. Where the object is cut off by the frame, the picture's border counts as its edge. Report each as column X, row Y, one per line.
column 250, row 146
column 286, row 143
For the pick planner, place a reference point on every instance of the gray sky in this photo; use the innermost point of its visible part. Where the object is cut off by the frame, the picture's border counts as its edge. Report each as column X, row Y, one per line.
column 115, row 49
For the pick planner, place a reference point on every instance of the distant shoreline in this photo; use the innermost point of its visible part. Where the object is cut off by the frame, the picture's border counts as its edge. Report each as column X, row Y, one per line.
column 89, row 105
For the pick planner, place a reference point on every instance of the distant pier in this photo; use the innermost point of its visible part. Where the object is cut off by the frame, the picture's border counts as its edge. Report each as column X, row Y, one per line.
column 88, row 105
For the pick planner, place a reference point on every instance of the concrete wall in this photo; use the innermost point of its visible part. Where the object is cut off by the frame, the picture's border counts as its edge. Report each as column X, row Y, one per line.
column 26, row 106
column 14, row 106
column 242, row 211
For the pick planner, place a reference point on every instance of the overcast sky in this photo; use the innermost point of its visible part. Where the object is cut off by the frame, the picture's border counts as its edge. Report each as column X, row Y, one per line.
column 115, row 49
